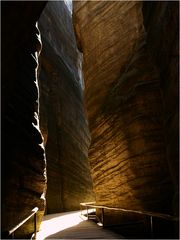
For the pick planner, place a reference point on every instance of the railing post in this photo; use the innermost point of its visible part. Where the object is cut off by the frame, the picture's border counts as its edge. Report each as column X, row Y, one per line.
column 87, row 213
column 12, row 235
column 102, row 216
column 81, row 209
column 35, row 225
column 151, row 226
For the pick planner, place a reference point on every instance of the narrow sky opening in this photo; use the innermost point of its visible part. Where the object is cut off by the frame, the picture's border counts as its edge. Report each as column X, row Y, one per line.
column 69, row 5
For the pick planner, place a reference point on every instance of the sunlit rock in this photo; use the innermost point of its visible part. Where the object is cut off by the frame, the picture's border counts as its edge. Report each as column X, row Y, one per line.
column 125, row 106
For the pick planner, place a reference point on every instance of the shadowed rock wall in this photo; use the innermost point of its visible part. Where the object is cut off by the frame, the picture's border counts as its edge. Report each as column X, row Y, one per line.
column 23, row 160
column 165, row 38
column 63, row 121
column 126, row 108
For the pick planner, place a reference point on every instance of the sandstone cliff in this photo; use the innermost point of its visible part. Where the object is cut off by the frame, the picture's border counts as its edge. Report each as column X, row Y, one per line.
column 62, row 117
column 131, row 54
column 23, row 160
column 163, row 45
column 125, row 106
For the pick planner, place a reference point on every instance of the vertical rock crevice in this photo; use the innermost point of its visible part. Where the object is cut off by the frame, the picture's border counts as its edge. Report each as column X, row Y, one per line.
column 62, row 117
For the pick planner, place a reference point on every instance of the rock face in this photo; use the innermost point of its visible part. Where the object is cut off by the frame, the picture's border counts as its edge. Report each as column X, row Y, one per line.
column 131, row 76
column 95, row 29
column 62, row 116
column 23, row 159
column 165, row 38
column 131, row 149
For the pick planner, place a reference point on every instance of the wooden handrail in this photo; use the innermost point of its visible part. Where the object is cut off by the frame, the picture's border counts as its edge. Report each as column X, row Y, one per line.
column 148, row 213
column 13, row 229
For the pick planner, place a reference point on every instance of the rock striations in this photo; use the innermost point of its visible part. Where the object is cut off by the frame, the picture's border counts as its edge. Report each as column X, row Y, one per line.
column 165, row 38
column 131, row 53
column 62, row 117
column 107, row 32
column 23, row 158
column 125, row 106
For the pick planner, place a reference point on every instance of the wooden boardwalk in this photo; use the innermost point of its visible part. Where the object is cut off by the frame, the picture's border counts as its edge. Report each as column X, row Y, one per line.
column 71, row 226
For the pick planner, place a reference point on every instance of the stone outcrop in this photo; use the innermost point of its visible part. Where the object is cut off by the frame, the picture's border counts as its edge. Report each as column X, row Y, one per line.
column 123, row 75
column 62, row 117
column 23, row 160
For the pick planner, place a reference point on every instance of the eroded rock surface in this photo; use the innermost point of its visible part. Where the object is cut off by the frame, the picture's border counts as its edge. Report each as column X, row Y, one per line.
column 107, row 32
column 165, row 38
column 23, row 158
column 63, row 121
column 124, row 101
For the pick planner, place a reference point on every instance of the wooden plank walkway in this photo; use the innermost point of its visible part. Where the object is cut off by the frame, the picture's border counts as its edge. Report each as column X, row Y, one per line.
column 71, row 226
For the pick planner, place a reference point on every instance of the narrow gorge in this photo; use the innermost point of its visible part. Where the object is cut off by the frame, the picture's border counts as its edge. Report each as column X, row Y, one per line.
column 90, row 109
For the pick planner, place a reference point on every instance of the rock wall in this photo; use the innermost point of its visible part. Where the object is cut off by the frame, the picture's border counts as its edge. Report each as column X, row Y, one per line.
column 63, row 122
column 23, row 160
column 165, row 38
column 125, row 106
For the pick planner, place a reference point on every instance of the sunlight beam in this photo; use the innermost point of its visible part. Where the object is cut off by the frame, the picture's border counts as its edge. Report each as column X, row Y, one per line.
column 54, row 223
